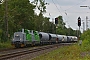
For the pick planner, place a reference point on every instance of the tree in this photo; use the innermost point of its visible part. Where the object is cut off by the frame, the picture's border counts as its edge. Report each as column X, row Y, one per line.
column 20, row 15
column 61, row 26
column 62, row 29
column 40, row 5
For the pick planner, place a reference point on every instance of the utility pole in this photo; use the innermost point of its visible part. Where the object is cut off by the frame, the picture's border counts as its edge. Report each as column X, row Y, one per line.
column 83, row 26
column 86, row 22
column 86, row 17
column 77, row 32
column 79, row 24
column 53, row 31
column 6, row 20
column 56, row 22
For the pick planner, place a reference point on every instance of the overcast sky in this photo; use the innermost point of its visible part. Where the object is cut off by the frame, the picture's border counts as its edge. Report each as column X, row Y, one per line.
column 70, row 10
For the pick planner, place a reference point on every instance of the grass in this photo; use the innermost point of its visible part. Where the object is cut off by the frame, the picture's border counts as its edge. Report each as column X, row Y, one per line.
column 5, row 45
column 73, row 52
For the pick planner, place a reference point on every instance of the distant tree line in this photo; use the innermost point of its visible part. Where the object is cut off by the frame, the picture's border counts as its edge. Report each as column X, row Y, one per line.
column 21, row 14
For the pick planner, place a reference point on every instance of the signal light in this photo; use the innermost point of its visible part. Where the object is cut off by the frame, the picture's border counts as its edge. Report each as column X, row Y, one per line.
column 79, row 21
column 56, row 20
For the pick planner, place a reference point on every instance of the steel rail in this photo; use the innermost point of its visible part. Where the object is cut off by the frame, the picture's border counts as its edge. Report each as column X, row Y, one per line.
column 19, row 53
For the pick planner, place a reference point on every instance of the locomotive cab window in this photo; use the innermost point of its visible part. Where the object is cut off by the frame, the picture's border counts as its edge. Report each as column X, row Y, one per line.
column 17, row 38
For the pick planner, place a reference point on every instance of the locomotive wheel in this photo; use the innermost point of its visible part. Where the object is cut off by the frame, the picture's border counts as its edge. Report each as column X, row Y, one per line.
column 17, row 45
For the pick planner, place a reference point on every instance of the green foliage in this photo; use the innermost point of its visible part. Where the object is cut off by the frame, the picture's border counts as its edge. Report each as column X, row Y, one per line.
column 86, row 35
column 5, row 45
column 40, row 5
column 86, row 40
column 72, row 52
column 21, row 13
column 85, row 45
column 62, row 28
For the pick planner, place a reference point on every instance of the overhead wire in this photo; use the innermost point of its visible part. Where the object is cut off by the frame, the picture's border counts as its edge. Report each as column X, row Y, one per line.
column 70, row 8
column 65, row 14
column 61, row 12
column 57, row 7
column 76, row 4
column 66, row 9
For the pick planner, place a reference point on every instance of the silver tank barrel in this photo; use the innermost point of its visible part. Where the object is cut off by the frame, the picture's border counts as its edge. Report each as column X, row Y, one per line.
column 44, row 36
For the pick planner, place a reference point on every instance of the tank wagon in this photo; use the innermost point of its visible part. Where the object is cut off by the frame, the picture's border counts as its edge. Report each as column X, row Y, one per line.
column 53, row 38
column 62, row 38
column 31, row 37
column 44, row 38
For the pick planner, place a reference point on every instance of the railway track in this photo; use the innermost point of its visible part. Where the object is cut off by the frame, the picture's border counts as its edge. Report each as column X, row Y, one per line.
column 23, row 52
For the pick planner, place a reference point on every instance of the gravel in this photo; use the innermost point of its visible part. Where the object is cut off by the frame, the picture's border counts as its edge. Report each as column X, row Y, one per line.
column 33, row 55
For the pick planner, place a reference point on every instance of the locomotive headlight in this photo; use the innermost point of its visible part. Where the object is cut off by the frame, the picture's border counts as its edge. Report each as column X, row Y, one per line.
column 16, row 35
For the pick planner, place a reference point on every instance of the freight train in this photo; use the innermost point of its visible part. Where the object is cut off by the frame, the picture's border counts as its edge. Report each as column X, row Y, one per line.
column 30, row 37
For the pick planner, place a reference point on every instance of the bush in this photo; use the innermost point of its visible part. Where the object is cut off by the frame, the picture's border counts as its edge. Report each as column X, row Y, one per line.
column 86, row 40
column 5, row 45
column 86, row 35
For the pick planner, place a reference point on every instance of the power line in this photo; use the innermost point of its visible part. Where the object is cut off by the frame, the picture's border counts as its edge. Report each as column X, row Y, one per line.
column 76, row 4
column 67, row 9
column 56, row 7
column 62, row 9
column 60, row 12
column 65, row 14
